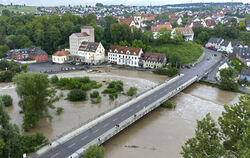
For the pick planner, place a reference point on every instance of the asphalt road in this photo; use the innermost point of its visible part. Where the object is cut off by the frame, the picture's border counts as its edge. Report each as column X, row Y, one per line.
column 69, row 147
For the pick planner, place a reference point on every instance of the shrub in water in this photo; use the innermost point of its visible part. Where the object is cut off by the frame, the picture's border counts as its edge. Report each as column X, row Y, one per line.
column 77, row 95
column 7, row 100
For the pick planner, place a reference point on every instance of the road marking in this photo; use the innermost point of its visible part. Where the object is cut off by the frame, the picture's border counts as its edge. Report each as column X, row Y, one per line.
column 115, row 119
column 84, row 137
column 131, row 110
column 123, row 114
column 72, row 145
column 96, row 130
column 55, row 154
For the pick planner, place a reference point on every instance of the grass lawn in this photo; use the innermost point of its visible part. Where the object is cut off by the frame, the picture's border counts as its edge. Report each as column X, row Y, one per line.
column 189, row 52
column 30, row 9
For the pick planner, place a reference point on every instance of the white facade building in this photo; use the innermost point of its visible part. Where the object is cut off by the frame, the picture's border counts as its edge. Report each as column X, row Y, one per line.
column 122, row 55
column 60, row 57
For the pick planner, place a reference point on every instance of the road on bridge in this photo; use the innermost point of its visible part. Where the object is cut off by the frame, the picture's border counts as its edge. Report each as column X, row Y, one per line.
column 72, row 145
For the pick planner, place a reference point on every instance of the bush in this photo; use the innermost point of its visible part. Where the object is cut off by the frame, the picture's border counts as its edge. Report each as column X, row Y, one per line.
column 131, row 91
column 170, row 71
column 77, row 95
column 96, row 100
column 59, row 110
column 54, row 79
column 86, row 87
column 168, row 104
column 113, row 96
column 32, row 141
column 114, row 87
column 94, row 94
column 7, row 100
column 96, row 86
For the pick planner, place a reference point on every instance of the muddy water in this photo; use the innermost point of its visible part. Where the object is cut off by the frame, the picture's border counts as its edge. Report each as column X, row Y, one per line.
column 76, row 113
column 162, row 132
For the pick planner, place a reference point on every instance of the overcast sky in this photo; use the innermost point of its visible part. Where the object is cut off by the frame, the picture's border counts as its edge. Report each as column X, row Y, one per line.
column 108, row 2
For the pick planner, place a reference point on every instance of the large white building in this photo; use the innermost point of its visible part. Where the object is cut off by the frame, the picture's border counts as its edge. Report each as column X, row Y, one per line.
column 87, row 34
column 122, row 55
column 89, row 53
column 187, row 33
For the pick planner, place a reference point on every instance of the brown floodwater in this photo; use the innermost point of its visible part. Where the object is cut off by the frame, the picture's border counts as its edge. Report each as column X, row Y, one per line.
column 76, row 113
column 159, row 134
column 162, row 132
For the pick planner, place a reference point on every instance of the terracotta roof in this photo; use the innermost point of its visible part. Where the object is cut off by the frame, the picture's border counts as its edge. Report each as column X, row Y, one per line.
column 210, row 22
column 185, row 30
column 126, row 22
column 160, row 26
column 124, row 50
column 83, row 34
column 154, row 57
column 89, row 46
column 61, row 53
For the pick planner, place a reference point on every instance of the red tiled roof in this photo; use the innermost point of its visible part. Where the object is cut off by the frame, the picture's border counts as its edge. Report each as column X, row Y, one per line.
column 126, row 22
column 185, row 30
column 61, row 53
column 160, row 26
column 123, row 50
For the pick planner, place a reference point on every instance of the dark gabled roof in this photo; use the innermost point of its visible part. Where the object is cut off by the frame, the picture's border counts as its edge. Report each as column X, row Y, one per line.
column 154, row 57
column 242, row 52
column 89, row 46
column 35, row 51
column 225, row 43
column 245, row 71
column 215, row 40
column 237, row 43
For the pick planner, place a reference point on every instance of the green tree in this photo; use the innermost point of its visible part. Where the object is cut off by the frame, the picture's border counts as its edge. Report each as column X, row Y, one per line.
column 36, row 97
column 227, row 79
column 124, row 43
column 131, row 91
column 7, row 100
column 108, row 21
column 94, row 151
column 139, row 44
column 1, row 147
column 228, row 138
column 24, row 67
column 206, row 142
column 3, row 50
column 163, row 36
column 6, row 12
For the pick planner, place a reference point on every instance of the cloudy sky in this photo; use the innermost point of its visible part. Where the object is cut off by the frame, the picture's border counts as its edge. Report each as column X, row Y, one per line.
column 92, row 2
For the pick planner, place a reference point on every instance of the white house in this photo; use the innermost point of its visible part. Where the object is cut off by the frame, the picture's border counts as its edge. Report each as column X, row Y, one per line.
column 226, row 46
column 187, row 33
column 224, row 66
column 89, row 53
column 214, row 43
column 122, row 55
column 60, row 57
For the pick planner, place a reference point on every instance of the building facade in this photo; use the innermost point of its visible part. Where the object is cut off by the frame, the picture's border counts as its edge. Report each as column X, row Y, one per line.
column 187, row 33
column 122, row 55
column 87, row 34
column 60, row 57
column 154, row 60
column 89, row 53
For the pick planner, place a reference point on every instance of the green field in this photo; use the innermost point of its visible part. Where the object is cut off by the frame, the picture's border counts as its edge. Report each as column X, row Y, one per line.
column 189, row 52
column 14, row 8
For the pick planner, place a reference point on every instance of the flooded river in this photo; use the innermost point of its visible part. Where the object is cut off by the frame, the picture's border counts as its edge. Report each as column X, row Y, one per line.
column 76, row 113
column 159, row 134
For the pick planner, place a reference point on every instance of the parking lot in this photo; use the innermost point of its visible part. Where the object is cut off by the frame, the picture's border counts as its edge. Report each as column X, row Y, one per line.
column 49, row 67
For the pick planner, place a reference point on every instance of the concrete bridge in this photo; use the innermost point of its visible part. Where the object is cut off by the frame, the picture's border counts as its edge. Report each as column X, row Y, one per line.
column 102, row 128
